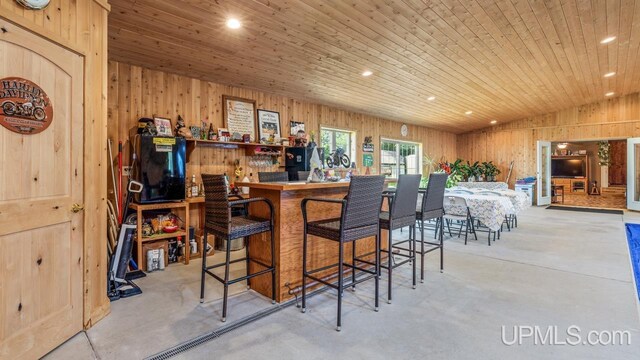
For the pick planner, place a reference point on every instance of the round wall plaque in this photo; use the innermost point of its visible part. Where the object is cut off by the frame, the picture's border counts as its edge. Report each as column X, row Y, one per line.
column 34, row 4
column 404, row 130
column 24, row 107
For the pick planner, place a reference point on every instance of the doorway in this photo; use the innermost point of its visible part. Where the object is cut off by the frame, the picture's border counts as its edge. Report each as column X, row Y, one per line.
column 590, row 174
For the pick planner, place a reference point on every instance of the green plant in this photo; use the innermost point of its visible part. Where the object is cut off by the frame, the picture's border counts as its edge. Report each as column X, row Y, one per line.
column 475, row 169
column 490, row 169
column 464, row 170
column 604, row 157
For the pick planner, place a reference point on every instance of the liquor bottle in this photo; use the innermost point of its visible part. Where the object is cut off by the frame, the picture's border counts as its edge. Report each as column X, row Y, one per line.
column 251, row 177
column 194, row 186
column 226, row 182
column 211, row 132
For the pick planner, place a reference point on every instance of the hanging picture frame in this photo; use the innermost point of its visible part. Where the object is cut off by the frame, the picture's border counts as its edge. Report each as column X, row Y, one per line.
column 296, row 126
column 239, row 115
column 268, row 125
column 163, row 126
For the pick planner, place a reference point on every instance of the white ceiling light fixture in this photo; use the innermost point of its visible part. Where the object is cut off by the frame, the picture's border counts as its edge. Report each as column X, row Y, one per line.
column 431, row 98
column 607, row 40
column 233, row 23
column 562, row 146
column 468, row 112
column 367, row 73
column 610, row 93
column 493, row 122
column 609, row 74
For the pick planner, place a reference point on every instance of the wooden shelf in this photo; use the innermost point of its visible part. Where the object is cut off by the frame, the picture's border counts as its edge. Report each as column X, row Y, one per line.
column 139, row 208
column 162, row 236
column 250, row 148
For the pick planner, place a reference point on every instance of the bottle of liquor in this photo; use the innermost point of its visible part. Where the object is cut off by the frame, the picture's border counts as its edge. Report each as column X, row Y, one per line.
column 251, row 177
column 226, row 181
column 194, row 186
column 211, row 132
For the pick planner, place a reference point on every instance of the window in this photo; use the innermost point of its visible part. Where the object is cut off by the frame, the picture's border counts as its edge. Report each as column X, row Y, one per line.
column 399, row 157
column 331, row 139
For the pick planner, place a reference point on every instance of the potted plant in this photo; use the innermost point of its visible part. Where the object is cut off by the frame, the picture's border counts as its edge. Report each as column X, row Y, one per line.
column 604, row 160
column 465, row 171
column 490, row 170
column 475, row 171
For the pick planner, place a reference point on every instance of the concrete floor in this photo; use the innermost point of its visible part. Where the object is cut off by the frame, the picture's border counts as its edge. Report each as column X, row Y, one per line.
column 558, row 268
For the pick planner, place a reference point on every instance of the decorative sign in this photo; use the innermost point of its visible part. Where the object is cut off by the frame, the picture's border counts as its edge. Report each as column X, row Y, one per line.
column 368, row 148
column 367, row 160
column 163, row 126
column 268, row 124
column 24, row 107
column 34, row 4
column 239, row 115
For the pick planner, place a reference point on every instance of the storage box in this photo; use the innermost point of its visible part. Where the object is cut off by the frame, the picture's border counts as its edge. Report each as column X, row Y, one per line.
column 152, row 245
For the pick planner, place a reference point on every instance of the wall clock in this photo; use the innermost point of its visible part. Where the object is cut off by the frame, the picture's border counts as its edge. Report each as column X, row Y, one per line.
column 404, row 130
column 34, row 4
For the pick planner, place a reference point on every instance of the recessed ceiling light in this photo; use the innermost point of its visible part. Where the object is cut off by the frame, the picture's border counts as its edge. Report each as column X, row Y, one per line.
column 469, row 112
column 607, row 40
column 610, row 74
column 493, row 122
column 233, row 23
column 431, row 98
column 610, row 93
column 367, row 73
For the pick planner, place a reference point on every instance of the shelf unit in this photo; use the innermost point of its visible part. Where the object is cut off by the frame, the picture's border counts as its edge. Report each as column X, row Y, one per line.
column 184, row 233
column 250, row 148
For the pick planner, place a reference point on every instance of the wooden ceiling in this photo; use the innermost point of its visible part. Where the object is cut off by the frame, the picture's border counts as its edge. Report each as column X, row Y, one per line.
column 503, row 59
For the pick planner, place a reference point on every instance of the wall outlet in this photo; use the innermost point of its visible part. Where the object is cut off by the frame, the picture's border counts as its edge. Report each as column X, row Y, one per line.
column 126, row 171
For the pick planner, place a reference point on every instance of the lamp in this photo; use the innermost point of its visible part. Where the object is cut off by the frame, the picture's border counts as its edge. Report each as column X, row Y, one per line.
column 562, row 146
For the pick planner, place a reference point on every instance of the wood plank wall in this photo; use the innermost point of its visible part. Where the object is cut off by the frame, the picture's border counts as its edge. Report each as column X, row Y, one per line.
column 136, row 92
column 608, row 119
column 81, row 26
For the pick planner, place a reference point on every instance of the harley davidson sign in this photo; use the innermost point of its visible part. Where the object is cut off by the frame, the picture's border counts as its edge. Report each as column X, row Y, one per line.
column 24, row 107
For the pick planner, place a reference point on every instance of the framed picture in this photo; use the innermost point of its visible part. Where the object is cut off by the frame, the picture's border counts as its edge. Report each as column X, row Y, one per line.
column 296, row 126
column 195, row 131
column 239, row 115
column 268, row 124
column 163, row 126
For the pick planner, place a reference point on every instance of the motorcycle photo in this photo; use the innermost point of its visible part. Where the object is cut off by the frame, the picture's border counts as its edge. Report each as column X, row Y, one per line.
column 31, row 109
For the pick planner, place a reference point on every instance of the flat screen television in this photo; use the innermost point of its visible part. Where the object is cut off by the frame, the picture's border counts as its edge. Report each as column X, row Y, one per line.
column 568, row 168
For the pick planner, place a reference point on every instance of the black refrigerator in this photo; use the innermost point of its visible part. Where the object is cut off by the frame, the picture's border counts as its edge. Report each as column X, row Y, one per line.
column 297, row 159
column 161, row 168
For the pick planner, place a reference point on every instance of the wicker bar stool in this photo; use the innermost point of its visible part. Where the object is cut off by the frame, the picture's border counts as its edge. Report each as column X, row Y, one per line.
column 432, row 207
column 359, row 219
column 277, row 176
column 402, row 213
column 218, row 222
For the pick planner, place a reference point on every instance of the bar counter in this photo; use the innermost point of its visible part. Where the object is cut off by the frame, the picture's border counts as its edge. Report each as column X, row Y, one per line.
column 286, row 198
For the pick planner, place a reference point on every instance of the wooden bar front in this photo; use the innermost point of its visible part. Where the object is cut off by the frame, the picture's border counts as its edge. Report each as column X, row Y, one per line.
column 286, row 198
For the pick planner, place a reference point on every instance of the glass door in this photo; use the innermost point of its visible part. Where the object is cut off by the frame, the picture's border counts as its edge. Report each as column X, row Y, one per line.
column 543, row 173
column 633, row 174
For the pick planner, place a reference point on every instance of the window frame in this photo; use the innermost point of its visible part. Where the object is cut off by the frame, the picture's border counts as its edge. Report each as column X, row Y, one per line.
column 351, row 151
column 397, row 156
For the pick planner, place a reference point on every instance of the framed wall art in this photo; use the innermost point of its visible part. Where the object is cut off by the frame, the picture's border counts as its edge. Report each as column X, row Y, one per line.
column 163, row 126
column 296, row 126
column 239, row 115
column 268, row 124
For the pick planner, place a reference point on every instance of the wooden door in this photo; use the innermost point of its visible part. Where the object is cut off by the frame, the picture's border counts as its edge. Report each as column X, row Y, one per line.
column 41, row 178
column 618, row 167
